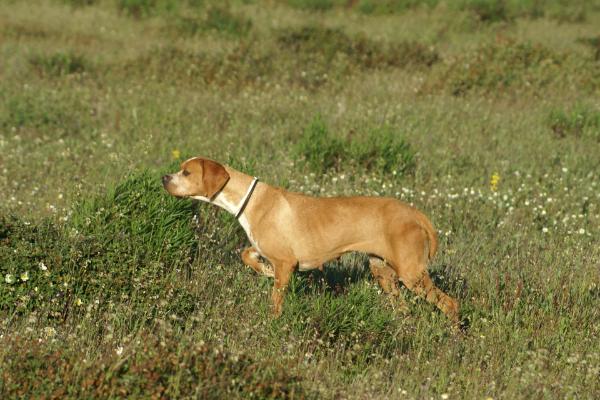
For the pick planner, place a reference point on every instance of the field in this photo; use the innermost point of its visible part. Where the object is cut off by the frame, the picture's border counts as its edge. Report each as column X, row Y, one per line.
column 485, row 114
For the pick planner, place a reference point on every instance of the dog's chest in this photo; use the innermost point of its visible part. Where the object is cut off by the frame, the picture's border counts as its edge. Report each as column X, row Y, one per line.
column 246, row 225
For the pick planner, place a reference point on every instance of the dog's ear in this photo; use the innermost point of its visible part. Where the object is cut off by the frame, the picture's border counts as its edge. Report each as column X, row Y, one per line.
column 214, row 177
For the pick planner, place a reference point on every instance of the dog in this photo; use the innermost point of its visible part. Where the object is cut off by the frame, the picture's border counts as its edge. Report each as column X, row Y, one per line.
column 293, row 231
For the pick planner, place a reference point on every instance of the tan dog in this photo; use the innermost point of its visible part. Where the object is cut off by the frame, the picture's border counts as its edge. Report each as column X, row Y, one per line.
column 292, row 230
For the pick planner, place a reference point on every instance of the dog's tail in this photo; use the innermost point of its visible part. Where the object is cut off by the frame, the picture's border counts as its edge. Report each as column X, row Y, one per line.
column 431, row 234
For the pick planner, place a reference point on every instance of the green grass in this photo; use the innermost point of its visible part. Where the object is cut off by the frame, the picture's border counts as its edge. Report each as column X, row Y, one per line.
column 111, row 288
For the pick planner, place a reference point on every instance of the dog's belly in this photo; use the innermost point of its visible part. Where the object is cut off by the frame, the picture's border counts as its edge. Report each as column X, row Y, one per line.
column 308, row 266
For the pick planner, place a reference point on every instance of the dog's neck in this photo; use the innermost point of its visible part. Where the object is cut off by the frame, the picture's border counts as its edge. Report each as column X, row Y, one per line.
column 231, row 196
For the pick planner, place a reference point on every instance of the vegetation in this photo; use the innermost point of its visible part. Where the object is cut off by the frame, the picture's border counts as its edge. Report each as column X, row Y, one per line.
column 483, row 114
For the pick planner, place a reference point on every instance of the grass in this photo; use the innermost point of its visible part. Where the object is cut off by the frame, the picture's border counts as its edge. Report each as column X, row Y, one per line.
column 483, row 114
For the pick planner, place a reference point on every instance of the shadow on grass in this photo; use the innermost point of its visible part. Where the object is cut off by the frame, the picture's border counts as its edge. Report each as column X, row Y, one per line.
column 336, row 278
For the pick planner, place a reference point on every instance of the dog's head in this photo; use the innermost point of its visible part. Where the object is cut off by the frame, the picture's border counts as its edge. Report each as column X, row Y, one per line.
column 198, row 177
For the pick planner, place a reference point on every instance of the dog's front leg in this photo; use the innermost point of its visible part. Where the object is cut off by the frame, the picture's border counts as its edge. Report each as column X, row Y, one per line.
column 283, row 273
column 251, row 258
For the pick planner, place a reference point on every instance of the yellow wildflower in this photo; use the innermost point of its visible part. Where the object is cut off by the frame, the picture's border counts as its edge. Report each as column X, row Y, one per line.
column 175, row 154
column 494, row 181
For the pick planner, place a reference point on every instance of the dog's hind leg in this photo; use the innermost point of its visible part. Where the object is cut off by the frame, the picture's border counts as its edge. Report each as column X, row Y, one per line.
column 388, row 281
column 251, row 258
column 385, row 275
column 424, row 287
column 410, row 263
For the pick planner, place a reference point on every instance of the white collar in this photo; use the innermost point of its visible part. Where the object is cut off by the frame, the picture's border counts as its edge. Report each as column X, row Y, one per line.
column 246, row 197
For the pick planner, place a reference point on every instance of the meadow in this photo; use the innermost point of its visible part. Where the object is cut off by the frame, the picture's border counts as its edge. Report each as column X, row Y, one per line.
column 485, row 114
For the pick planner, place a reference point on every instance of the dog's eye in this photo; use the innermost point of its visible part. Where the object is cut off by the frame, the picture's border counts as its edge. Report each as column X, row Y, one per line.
column 186, row 172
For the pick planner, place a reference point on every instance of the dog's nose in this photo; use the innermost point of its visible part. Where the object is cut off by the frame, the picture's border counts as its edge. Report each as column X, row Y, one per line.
column 166, row 179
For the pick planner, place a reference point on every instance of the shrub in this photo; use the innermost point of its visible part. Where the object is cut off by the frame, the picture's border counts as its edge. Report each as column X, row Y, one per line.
column 318, row 148
column 121, row 245
column 594, row 44
column 313, row 5
column 509, row 65
column 43, row 108
column 580, row 121
column 245, row 64
column 382, row 150
column 326, row 44
column 80, row 3
column 145, row 8
column 390, row 6
column 217, row 18
column 571, row 12
column 487, row 10
column 309, row 57
column 222, row 20
column 61, row 63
